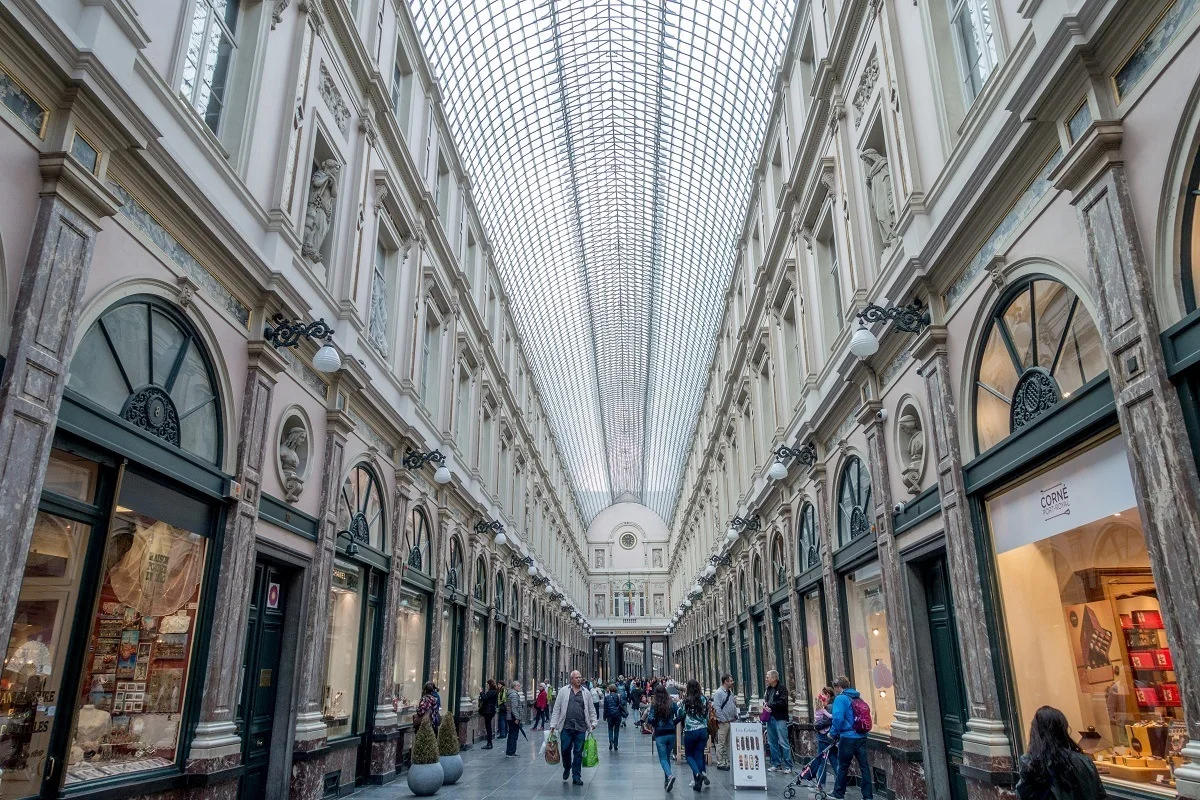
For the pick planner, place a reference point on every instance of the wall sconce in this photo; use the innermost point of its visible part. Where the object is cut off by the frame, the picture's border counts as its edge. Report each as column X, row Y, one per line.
column 910, row 319
column 750, row 525
column 806, row 455
column 289, row 333
column 483, row 527
column 414, row 460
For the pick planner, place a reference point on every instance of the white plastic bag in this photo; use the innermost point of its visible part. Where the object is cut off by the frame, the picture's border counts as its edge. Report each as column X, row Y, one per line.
column 545, row 740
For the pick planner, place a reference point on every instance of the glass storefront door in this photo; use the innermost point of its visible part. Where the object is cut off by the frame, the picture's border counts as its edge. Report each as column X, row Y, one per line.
column 814, row 642
column 867, row 632
column 410, row 663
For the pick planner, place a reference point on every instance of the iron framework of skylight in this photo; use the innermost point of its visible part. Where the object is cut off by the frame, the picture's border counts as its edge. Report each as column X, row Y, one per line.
column 611, row 147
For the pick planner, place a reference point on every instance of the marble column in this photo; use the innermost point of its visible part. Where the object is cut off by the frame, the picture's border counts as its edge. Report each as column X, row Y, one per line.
column 762, row 548
column 70, row 208
column 387, row 718
column 646, row 656
column 307, row 767
column 217, row 743
column 833, row 606
column 613, row 658
column 986, row 745
column 908, row 777
column 1148, row 407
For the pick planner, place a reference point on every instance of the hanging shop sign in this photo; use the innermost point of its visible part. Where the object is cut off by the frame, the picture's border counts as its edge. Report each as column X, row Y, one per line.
column 1094, row 485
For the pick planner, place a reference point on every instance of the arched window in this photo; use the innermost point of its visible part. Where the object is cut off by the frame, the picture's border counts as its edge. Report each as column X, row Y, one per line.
column 516, row 600
column 481, row 580
column 810, row 548
column 418, row 542
column 742, row 589
column 360, row 508
column 854, row 501
column 732, row 609
column 455, row 570
column 1041, row 346
column 1189, row 259
column 143, row 361
column 778, row 563
column 756, row 574
column 500, row 583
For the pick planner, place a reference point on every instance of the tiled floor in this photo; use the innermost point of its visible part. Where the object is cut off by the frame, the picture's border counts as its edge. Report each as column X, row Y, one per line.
column 633, row 773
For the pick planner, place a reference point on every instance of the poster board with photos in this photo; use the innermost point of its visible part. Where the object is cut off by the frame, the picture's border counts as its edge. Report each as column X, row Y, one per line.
column 748, row 760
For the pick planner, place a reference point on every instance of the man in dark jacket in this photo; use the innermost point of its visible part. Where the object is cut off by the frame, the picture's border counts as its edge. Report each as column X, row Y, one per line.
column 851, row 744
column 776, row 699
column 614, row 714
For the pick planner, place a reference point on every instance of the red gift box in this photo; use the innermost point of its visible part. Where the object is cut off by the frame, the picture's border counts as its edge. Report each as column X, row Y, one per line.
column 1170, row 694
column 1126, row 621
column 1142, row 659
column 1148, row 619
column 1146, row 695
column 1162, row 659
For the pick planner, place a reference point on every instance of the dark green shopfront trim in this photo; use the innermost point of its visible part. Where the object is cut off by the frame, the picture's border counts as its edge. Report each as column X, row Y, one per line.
column 286, row 516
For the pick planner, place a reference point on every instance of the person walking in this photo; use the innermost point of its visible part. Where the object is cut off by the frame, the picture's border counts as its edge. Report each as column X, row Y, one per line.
column 1055, row 767
column 517, row 711
column 502, row 708
column 574, row 715
column 635, row 697
column 822, row 721
column 541, row 708
column 695, row 732
column 662, row 717
column 725, row 707
column 614, row 715
column 776, row 699
column 487, row 709
column 847, row 730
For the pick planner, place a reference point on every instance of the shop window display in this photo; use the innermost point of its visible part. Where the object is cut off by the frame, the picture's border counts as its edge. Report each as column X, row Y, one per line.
column 1084, row 621
column 477, row 647
column 140, row 642
column 814, row 640
column 443, row 672
column 342, row 640
column 33, row 662
column 870, row 658
column 409, row 663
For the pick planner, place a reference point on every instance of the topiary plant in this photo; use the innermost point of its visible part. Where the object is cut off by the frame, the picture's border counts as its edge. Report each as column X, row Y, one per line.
column 447, row 737
column 425, row 748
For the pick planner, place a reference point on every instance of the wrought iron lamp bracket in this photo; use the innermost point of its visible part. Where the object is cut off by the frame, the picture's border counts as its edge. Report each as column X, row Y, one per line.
column 415, row 460
column 910, row 318
column 289, row 333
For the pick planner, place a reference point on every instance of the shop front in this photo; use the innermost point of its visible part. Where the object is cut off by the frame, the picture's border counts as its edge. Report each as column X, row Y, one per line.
column 454, row 617
column 1081, row 613
column 1077, row 608
column 354, row 627
column 104, row 669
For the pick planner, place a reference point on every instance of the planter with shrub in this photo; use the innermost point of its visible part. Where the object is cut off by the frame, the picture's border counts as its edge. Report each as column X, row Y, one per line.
column 425, row 776
column 452, row 763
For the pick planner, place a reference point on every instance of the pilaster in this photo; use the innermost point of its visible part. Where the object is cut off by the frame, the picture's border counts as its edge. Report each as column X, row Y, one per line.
column 71, row 205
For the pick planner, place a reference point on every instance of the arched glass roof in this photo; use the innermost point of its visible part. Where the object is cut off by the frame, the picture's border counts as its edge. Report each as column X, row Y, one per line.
column 611, row 146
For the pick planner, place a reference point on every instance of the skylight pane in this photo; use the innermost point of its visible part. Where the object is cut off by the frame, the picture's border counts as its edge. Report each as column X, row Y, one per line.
column 611, row 147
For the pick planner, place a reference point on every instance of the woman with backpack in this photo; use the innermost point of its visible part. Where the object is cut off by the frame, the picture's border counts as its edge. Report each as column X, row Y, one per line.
column 663, row 716
column 614, row 714
column 695, row 732
column 1055, row 767
column 850, row 726
column 430, row 706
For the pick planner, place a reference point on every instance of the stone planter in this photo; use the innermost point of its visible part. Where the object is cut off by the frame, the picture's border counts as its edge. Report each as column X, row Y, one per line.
column 452, row 767
column 425, row 779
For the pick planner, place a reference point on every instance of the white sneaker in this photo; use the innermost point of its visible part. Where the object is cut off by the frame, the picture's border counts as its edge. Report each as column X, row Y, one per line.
column 772, row 769
column 786, row 770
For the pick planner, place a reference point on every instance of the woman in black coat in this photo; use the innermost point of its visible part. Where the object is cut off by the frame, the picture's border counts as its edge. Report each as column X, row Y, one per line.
column 1055, row 768
column 487, row 709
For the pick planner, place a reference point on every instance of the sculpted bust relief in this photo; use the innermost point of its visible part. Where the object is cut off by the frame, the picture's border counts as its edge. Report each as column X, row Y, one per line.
column 295, row 442
column 912, row 449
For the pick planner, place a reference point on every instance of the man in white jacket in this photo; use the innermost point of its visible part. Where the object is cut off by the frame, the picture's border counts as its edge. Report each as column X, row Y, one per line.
column 575, row 717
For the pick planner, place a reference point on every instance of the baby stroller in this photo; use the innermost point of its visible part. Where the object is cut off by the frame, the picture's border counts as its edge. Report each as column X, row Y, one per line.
column 812, row 775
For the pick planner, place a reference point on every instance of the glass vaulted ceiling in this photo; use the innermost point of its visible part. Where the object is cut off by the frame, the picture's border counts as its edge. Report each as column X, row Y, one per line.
column 611, row 147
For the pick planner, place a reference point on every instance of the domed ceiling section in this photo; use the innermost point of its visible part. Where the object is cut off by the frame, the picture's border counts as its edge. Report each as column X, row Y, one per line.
column 611, row 148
